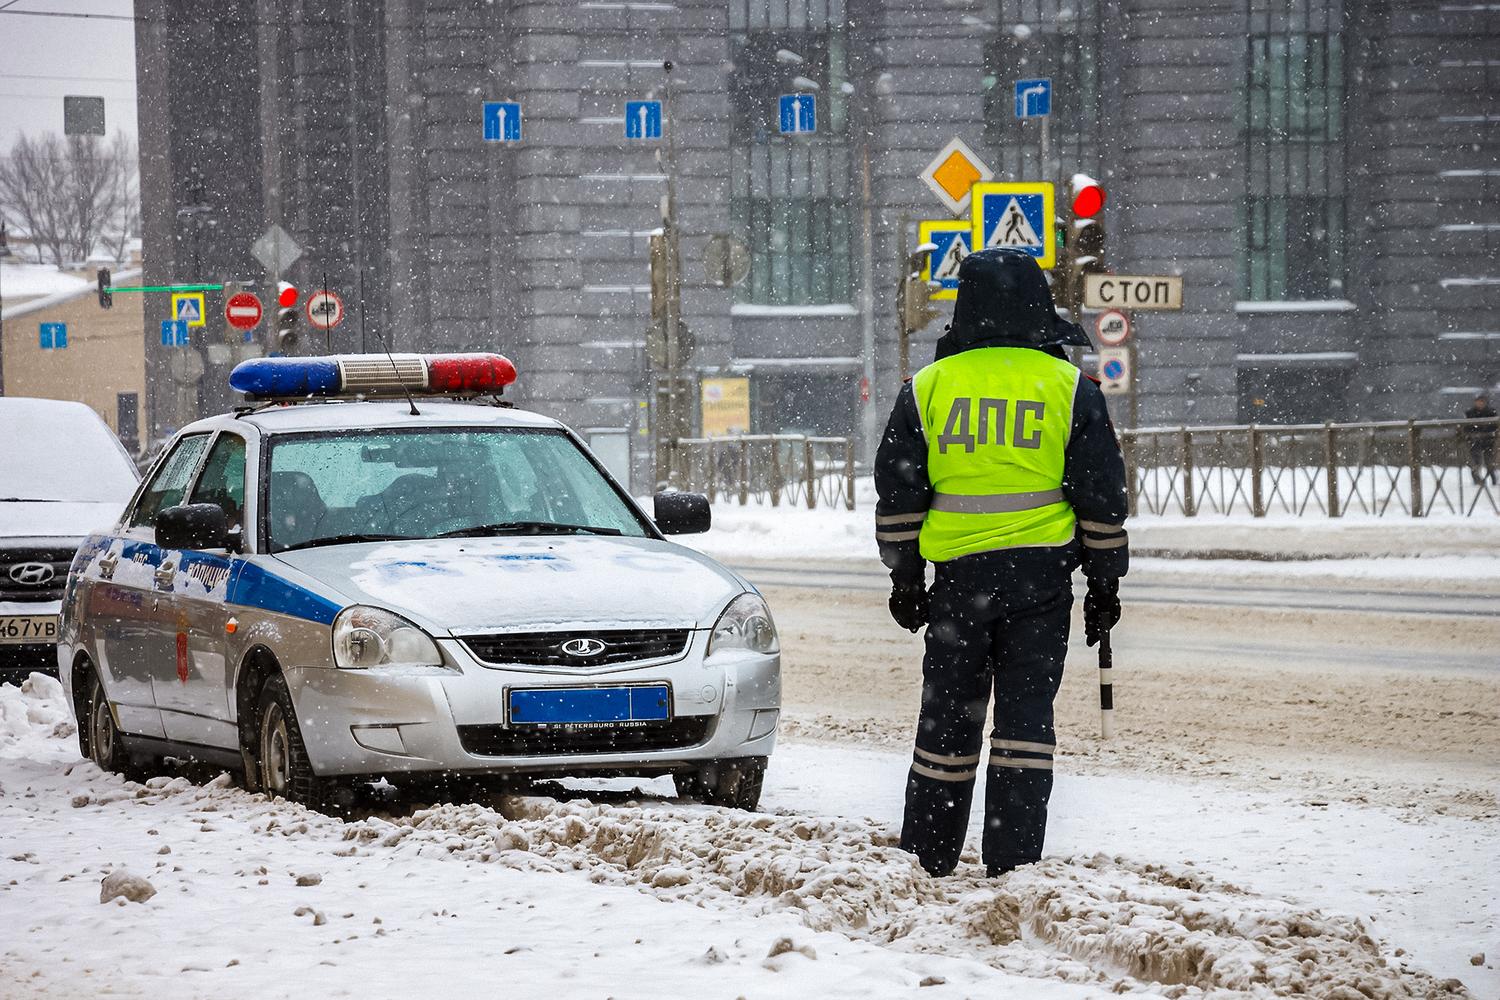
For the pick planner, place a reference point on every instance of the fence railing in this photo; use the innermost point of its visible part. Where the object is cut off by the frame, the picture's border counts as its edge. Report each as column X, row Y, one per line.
column 1415, row 468
column 768, row 468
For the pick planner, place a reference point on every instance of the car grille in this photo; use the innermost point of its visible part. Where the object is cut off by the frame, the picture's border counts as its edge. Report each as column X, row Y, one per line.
column 11, row 589
column 545, row 649
column 542, row 741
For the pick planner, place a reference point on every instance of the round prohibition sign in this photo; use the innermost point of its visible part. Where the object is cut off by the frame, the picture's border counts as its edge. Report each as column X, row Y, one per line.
column 242, row 311
column 325, row 310
column 1113, row 328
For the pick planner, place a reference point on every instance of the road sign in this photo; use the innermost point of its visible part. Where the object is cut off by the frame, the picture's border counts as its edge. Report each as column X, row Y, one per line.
column 174, row 333
column 799, row 114
column 276, row 250
column 1033, row 98
column 953, row 172
column 1121, row 291
column 1114, row 370
column 1113, row 328
column 643, row 119
column 188, row 307
column 242, row 311
column 1016, row 215
column 53, row 336
column 952, row 239
column 502, row 121
column 325, row 310
column 83, row 115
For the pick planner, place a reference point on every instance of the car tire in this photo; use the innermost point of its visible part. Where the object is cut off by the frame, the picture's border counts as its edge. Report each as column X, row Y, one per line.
column 283, row 769
column 733, row 783
column 102, row 738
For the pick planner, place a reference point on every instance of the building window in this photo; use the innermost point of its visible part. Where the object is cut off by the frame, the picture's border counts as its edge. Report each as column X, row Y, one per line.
column 1051, row 39
column 1294, row 208
column 791, row 197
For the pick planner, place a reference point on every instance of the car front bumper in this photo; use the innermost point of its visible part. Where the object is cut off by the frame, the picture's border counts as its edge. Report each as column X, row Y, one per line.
column 391, row 721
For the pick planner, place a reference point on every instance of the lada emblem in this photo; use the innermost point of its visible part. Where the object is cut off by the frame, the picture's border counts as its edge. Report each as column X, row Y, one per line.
column 584, row 647
column 32, row 574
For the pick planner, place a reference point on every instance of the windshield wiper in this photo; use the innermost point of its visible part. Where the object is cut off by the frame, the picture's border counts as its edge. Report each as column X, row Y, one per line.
column 528, row 528
column 31, row 500
column 346, row 540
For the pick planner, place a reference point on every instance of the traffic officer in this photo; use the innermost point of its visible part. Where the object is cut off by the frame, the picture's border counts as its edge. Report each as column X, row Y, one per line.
column 999, row 465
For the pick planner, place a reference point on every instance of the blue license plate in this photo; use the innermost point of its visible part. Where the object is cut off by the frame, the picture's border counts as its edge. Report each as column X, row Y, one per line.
column 573, row 706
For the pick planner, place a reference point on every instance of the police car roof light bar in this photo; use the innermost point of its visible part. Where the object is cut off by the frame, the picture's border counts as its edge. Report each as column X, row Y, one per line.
column 349, row 376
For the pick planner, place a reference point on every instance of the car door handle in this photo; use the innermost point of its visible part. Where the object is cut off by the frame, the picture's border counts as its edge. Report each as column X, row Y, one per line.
column 165, row 574
column 107, row 566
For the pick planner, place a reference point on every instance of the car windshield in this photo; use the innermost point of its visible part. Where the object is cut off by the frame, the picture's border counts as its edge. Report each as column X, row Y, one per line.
column 369, row 485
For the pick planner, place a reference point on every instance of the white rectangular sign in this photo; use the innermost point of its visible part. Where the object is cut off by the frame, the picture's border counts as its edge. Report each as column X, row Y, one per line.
column 1123, row 291
column 1114, row 370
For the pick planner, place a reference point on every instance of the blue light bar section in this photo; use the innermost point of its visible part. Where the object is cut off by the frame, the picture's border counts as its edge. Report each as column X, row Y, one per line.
column 271, row 377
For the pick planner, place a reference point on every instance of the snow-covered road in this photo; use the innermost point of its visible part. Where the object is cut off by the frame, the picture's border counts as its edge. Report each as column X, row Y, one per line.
column 1204, row 891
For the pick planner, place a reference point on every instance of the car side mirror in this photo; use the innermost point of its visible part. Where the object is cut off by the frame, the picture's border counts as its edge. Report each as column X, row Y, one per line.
column 683, row 513
column 193, row 526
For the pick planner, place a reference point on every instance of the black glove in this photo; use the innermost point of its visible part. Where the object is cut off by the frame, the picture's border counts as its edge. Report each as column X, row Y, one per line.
column 909, row 605
column 1101, row 607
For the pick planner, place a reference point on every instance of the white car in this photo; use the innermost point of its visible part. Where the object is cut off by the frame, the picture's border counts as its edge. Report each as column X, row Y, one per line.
column 349, row 588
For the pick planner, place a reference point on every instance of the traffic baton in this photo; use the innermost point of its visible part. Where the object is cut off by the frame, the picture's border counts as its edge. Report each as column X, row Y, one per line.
column 1106, row 688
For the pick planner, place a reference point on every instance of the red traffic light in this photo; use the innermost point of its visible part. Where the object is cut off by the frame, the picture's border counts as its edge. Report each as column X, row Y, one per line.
column 1088, row 197
column 287, row 295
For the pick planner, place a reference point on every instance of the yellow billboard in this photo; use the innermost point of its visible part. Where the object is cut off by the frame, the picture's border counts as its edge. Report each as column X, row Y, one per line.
column 725, row 406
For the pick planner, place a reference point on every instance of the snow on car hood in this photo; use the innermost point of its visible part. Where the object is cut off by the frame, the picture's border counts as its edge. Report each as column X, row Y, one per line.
column 62, row 519
column 509, row 584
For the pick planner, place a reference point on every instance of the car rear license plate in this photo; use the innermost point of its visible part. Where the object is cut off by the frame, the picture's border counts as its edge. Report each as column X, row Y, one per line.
column 590, row 706
column 28, row 628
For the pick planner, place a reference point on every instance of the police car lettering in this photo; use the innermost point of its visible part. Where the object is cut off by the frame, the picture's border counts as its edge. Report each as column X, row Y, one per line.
column 1025, row 426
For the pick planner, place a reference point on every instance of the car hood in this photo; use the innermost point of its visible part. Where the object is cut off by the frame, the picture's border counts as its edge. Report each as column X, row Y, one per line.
column 510, row 584
column 73, row 519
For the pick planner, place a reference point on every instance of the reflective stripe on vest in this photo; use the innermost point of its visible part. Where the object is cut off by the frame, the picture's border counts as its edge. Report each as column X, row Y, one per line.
column 997, row 422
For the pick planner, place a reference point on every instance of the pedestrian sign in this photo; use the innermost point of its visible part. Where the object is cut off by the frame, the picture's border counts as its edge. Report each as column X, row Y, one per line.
column 502, row 121
column 952, row 238
column 53, row 336
column 799, row 114
column 643, row 119
column 188, row 307
column 953, row 172
column 174, row 333
column 1033, row 98
column 1016, row 215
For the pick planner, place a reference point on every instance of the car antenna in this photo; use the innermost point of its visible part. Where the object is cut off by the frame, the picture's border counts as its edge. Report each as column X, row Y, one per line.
column 386, row 344
column 327, row 330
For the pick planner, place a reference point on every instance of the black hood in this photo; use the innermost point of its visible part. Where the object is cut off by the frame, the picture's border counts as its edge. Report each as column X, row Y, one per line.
column 1004, row 301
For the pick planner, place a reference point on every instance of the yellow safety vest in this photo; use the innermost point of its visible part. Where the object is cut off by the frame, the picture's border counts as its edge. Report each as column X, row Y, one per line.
column 997, row 422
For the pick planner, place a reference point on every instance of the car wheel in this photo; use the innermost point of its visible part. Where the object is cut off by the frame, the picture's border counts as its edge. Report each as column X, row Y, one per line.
column 282, row 766
column 105, row 746
column 733, row 783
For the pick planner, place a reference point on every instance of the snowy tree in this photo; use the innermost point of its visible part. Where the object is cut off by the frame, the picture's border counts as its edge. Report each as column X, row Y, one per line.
column 71, row 192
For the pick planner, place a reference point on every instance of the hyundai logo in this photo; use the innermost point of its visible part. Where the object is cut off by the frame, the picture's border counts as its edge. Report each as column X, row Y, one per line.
column 31, row 574
column 584, row 647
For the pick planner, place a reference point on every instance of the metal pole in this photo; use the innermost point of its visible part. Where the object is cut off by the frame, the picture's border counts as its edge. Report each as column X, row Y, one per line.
column 1414, row 463
column 1330, row 459
column 1047, row 155
column 1189, row 508
column 1257, row 470
column 904, row 342
column 867, row 311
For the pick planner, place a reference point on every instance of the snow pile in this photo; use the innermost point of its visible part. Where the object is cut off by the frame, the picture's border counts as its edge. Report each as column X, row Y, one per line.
column 33, row 713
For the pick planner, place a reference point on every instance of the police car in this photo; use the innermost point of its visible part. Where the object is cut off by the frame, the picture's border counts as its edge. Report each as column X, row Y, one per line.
column 371, row 571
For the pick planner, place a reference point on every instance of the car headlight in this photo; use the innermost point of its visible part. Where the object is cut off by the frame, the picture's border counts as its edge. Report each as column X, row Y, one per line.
column 372, row 637
column 745, row 624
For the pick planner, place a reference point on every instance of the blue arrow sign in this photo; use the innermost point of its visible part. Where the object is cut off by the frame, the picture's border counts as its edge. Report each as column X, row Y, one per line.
column 643, row 119
column 799, row 113
column 502, row 121
column 174, row 333
column 53, row 336
column 1033, row 98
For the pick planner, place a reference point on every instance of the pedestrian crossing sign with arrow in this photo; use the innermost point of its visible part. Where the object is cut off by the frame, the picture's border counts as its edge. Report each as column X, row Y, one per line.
column 187, row 307
column 1016, row 215
column 952, row 239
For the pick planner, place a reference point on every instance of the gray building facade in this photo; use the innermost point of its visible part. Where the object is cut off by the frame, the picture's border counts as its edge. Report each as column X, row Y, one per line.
column 1324, row 176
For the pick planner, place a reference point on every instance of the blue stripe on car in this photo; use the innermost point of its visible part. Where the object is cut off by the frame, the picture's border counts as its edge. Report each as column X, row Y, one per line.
column 253, row 587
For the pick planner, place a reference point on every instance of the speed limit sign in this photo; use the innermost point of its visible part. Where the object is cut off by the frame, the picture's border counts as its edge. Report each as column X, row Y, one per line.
column 1113, row 328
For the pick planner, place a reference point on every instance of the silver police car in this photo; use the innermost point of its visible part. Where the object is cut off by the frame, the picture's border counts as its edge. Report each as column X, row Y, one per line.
column 349, row 587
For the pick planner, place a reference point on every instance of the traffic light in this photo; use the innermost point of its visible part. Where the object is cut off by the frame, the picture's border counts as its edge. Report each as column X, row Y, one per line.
column 286, row 316
column 914, row 302
column 1083, row 248
column 105, row 298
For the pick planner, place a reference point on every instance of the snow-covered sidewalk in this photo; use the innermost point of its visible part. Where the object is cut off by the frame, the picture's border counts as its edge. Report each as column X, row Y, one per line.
column 1202, row 892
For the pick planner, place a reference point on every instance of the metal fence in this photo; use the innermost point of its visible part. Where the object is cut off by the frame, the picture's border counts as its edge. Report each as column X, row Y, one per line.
column 1415, row 468
column 767, row 468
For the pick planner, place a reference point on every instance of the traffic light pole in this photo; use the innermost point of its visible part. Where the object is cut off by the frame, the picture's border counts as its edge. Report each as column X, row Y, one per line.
column 673, row 413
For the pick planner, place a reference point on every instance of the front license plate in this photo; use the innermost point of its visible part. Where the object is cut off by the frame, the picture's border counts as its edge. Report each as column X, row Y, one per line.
column 584, row 706
column 28, row 628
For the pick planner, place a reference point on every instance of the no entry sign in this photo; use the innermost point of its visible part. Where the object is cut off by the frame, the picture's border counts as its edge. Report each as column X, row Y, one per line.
column 242, row 311
column 325, row 310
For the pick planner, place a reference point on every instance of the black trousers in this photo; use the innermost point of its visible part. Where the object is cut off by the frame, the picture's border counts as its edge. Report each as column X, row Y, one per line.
column 994, row 625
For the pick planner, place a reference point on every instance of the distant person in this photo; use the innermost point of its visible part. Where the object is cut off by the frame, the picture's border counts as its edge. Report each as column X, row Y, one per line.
column 1481, row 440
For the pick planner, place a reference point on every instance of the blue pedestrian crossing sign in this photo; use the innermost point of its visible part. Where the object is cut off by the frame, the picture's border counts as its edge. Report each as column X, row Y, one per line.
column 53, row 336
column 643, row 119
column 188, row 307
column 174, row 333
column 952, row 238
column 1016, row 215
column 799, row 114
column 502, row 121
column 1033, row 98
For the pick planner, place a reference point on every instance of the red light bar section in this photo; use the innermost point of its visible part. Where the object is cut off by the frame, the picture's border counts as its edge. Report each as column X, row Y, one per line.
column 469, row 372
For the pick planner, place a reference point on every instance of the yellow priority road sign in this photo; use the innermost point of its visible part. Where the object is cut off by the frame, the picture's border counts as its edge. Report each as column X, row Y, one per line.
column 1017, row 215
column 188, row 307
column 951, row 237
